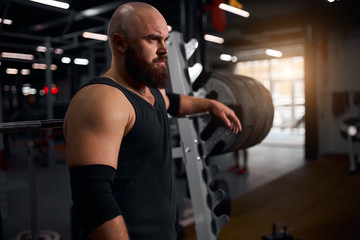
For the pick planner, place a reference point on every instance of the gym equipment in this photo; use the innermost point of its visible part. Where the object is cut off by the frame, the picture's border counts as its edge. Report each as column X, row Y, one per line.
column 281, row 235
column 33, row 126
column 43, row 235
column 350, row 130
column 201, row 135
column 250, row 100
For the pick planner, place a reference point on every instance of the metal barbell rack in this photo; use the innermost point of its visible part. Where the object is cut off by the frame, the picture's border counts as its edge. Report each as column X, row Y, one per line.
column 199, row 175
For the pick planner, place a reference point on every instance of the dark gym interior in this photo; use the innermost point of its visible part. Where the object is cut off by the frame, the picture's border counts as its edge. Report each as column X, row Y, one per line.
column 289, row 69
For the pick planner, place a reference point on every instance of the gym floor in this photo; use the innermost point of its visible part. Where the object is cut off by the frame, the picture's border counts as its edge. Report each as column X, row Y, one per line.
column 279, row 153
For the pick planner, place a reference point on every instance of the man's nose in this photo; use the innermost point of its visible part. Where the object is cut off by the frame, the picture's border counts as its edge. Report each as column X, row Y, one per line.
column 162, row 49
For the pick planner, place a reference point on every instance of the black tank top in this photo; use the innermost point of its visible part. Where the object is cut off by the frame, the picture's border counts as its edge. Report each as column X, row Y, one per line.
column 144, row 185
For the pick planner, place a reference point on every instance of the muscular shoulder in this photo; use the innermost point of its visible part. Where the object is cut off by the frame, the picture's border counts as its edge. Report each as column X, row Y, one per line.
column 100, row 99
column 95, row 123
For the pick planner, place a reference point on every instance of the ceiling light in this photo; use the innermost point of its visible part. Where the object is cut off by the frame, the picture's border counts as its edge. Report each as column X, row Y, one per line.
column 91, row 12
column 352, row 131
column 41, row 66
column 6, row 21
column 17, row 55
column 96, row 36
column 41, row 49
column 214, row 39
column 11, row 71
column 273, row 53
column 58, row 51
column 66, row 60
column 234, row 10
column 226, row 57
column 53, row 3
column 25, row 71
column 81, row 61
column 169, row 28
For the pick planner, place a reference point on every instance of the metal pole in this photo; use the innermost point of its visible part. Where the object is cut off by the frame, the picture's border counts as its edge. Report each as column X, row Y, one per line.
column 49, row 100
column 311, row 124
column 33, row 200
column 352, row 167
column 92, row 65
column 3, row 208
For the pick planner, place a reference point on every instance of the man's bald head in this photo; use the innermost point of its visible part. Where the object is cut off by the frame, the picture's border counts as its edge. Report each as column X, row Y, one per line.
column 131, row 16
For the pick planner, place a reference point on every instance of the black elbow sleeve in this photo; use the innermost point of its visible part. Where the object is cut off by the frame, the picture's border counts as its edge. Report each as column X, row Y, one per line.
column 92, row 195
column 174, row 106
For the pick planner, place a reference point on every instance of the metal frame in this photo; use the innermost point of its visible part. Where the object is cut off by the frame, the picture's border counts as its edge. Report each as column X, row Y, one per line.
column 199, row 175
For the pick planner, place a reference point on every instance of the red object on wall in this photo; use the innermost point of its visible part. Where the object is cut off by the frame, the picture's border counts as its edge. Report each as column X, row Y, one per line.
column 54, row 90
column 218, row 16
column 46, row 90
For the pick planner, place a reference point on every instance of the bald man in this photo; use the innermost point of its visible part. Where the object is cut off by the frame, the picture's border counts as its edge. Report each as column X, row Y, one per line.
column 117, row 134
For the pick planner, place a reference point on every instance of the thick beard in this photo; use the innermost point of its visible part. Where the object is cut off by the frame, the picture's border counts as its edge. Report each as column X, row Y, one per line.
column 144, row 72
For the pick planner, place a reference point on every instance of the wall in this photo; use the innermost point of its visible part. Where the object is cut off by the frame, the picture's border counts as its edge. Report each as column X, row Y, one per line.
column 339, row 72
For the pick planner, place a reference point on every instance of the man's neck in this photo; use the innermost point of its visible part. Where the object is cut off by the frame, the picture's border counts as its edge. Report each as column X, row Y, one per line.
column 127, row 81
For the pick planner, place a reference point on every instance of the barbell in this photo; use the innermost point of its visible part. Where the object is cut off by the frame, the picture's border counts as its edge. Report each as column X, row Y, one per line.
column 250, row 100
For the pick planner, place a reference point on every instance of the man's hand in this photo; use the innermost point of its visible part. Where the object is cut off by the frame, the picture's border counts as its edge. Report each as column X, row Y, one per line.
column 227, row 115
column 192, row 105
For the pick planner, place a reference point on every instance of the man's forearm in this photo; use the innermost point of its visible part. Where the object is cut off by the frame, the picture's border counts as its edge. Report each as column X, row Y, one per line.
column 192, row 105
column 114, row 229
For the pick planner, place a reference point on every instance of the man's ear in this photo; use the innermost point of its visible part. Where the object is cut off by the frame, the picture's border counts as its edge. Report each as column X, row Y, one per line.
column 119, row 42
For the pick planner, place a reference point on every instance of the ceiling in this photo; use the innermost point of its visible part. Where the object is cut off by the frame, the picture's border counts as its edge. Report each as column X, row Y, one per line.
column 271, row 23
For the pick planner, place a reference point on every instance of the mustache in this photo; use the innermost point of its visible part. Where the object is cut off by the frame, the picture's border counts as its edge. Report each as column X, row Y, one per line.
column 161, row 59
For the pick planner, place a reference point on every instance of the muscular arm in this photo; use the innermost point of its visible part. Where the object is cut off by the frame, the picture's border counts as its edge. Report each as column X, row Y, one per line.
column 192, row 105
column 93, row 129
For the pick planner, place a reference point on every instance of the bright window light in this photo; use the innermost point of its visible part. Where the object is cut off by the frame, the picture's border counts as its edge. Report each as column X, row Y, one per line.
column 17, row 55
column 11, row 71
column 273, row 53
column 81, row 61
column 214, row 39
column 66, row 60
column 53, row 3
column 234, row 10
column 96, row 36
